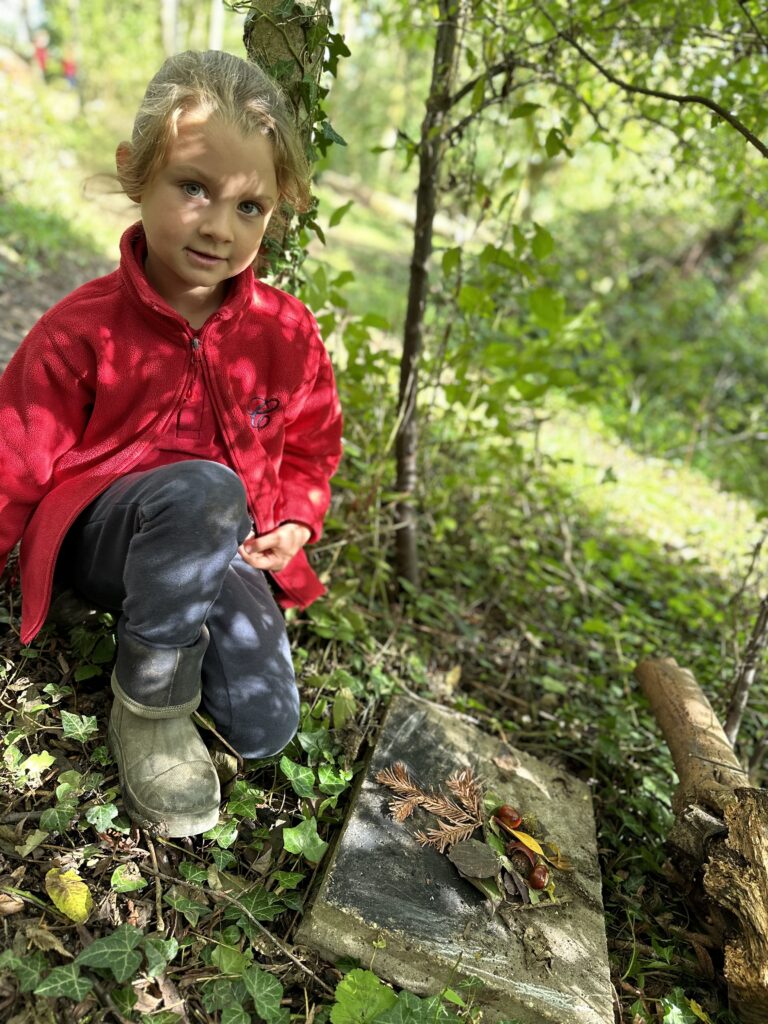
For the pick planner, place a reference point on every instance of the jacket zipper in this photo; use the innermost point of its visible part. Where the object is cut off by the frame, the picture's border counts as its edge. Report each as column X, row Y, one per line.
column 195, row 366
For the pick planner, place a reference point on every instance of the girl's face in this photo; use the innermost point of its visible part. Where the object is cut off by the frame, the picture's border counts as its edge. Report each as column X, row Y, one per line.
column 205, row 212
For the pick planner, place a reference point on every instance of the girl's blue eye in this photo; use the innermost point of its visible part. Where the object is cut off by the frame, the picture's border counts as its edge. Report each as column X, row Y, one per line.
column 192, row 189
column 250, row 209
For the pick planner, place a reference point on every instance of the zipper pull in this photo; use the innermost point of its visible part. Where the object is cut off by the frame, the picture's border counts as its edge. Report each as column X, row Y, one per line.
column 195, row 365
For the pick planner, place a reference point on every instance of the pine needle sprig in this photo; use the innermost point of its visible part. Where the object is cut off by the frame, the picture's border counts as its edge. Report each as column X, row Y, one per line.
column 457, row 819
column 445, row 835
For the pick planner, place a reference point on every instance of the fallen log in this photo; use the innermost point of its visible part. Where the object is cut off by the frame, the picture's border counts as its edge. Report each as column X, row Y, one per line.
column 720, row 831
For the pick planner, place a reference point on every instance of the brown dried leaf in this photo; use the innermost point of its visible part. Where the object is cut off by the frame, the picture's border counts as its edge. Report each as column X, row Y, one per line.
column 10, row 904
column 45, row 940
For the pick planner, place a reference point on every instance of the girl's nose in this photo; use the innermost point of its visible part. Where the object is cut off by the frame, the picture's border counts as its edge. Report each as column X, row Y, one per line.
column 217, row 223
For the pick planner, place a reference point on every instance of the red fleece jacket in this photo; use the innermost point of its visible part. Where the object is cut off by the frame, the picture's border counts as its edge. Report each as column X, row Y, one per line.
column 104, row 372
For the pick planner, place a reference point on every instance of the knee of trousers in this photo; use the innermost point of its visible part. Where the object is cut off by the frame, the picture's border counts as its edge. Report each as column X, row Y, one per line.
column 270, row 726
column 207, row 494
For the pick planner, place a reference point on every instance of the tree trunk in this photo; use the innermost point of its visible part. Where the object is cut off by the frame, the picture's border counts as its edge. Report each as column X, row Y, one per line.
column 431, row 146
column 721, row 831
column 273, row 41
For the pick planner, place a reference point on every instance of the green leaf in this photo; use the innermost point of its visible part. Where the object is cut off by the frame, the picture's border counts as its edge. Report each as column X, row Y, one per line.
column 192, row 909
column 344, row 707
column 229, row 960
column 300, row 776
column 65, row 982
column 408, row 1009
column 304, row 840
column 224, row 834
column 159, row 953
column 58, row 818
column 245, row 799
column 451, row 260
column 34, row 839
column 543, row 243
column 193, row 872
column 28, row 969
column 360, row 997
column 127, row 878
column 333, row 780
column 265, row 990
column 101, row 816
column 338, row 214
column 78, row 727
column 235, row 1015
column 524, row 110
column 288, row 879
column 261, row 904
column 116, row 953
column 677, row 1009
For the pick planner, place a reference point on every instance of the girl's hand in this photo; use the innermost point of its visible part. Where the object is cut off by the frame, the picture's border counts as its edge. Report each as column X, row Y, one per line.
column 274, row 550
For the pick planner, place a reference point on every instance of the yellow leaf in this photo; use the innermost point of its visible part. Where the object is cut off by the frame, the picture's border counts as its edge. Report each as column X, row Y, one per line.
column 700, row 1013
column 69, row 894
column 528, row 841
column 552, row 853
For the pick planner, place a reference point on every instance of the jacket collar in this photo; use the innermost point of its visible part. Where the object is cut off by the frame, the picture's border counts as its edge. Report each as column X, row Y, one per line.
column 133, row 251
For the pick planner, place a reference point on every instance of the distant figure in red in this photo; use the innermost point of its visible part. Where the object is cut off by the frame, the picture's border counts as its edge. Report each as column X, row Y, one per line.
column 40, row 43
column 69, row 67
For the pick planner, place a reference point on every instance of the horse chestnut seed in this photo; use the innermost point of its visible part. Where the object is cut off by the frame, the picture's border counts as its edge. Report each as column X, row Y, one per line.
column 539, row 877
column 508, row 816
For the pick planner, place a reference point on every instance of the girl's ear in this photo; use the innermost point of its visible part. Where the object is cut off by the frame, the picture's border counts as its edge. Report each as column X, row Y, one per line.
column 122, row 158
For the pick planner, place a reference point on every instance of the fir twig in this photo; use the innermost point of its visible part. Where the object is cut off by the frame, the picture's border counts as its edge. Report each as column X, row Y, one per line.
column 457, row 819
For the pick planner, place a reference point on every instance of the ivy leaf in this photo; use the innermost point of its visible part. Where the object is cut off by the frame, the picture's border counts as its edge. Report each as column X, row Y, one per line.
column 259, row 903
column 333, row 780
column 235, row 1015
column 101, row 816
column 28, row 969
column 224, row 834
column 78, row 727
column 58, row 818
column 304, row 840
column 360, row 997
column 69, row 894
column 265, row 990
column 65, row 981
column 159, row 953
column 191, row 909
column 116, row 953
column 244, row 800
column 127, row 878
column 301, row 777
column 229, row 960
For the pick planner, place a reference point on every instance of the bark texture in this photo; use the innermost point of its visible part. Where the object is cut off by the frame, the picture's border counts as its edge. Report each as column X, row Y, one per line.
column 721, row 829
column 431, row 145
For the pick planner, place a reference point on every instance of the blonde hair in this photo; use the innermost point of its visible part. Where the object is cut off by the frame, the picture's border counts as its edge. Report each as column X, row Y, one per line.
column 231, row 88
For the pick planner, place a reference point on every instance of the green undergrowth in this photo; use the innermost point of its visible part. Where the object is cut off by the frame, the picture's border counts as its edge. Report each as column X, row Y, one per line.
column 532, row 614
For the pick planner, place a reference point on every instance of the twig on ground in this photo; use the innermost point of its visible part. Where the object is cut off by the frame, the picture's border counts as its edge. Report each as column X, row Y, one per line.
column 159, row 919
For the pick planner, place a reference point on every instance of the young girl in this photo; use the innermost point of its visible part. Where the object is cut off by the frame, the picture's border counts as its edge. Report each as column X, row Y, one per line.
column 167, row 434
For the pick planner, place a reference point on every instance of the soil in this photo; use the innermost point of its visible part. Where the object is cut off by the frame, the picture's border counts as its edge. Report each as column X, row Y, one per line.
column 24, row 297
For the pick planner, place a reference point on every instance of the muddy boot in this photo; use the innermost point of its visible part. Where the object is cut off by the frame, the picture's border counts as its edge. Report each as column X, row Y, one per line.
column 167, row 777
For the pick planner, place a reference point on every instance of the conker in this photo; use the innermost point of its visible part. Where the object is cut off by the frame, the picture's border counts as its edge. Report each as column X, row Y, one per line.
column 509, row 816
column 539, row 877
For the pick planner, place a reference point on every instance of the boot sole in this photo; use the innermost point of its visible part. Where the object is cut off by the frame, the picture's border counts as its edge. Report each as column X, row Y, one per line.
column 174, row 826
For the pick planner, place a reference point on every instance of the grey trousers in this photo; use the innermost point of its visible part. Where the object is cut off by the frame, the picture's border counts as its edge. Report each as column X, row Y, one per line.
column 160, row 546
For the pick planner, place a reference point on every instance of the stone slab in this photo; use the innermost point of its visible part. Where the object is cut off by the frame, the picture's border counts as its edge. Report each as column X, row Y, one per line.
column 431, row 927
